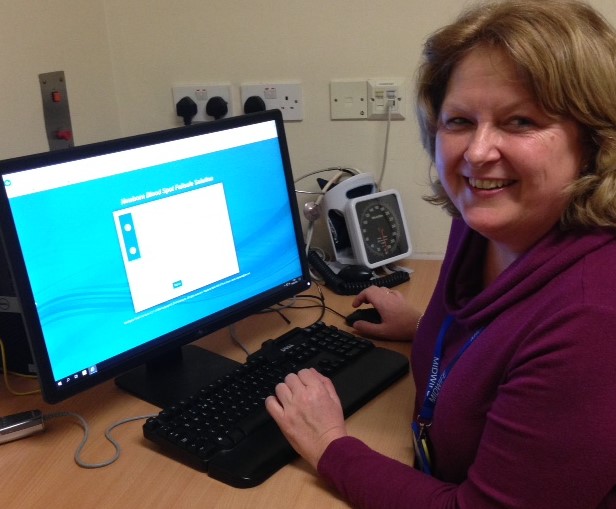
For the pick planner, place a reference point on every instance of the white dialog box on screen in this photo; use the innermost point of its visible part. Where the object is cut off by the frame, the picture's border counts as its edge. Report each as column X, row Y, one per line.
column 175, row 245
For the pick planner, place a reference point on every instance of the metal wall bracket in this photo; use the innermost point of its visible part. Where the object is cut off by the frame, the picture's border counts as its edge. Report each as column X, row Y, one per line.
column 56, row 110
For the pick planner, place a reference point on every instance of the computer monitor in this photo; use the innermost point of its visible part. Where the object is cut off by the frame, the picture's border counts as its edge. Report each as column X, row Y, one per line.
column 124, row 251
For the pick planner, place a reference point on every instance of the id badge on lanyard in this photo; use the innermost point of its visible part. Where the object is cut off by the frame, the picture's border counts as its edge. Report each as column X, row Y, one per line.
column 437, row 378
column 422, row 452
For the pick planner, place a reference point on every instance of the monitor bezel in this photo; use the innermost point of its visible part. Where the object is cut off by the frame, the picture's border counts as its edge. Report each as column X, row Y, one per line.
column 174, row 340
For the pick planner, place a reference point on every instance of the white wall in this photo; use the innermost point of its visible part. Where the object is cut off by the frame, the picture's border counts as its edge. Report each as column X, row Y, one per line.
column 39, row 36
column 121, row 59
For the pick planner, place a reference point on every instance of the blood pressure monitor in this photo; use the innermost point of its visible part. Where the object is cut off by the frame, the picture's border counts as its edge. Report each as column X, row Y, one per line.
column 377, row 228
column 366, row 227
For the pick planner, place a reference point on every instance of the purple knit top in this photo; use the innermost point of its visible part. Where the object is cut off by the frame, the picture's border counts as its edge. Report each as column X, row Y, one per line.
column 527, row 416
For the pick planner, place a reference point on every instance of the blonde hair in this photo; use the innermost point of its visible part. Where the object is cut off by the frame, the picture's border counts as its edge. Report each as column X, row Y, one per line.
column 567, row 52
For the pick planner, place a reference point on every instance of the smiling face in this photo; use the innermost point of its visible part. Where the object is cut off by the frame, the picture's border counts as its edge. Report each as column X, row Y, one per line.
column 502, row 160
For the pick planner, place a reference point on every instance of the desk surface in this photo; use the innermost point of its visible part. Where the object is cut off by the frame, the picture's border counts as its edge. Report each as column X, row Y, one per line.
column 40, row 472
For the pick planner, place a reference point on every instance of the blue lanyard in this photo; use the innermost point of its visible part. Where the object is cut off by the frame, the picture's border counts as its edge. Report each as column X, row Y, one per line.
column 435, row 384
column 437, row 378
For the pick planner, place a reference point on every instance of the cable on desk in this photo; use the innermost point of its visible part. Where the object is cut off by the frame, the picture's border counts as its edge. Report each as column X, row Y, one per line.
column 291, row 305
column 237, row 340
column 86, row 434
column 293, row 302
column 278, row 310
column 320, row 299
column 5, row 372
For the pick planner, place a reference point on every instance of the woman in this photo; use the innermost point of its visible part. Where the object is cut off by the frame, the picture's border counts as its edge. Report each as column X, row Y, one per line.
column 517, row 106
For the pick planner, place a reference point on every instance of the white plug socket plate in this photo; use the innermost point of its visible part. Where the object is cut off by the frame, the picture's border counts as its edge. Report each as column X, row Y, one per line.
column 201, row 94
column 286, row 97
column 348, row 100
column 379, row 91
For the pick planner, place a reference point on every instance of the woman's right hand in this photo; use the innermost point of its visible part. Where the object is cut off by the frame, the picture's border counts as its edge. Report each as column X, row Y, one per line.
column 398, row 318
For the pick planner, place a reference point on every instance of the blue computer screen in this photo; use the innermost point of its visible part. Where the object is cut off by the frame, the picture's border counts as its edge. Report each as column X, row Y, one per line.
column 123, row 254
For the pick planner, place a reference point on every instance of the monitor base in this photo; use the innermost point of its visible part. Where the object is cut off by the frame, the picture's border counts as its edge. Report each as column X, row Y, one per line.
column 179, row 374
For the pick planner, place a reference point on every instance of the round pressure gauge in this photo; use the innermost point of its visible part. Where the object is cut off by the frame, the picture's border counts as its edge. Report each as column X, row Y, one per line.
column 378, row 229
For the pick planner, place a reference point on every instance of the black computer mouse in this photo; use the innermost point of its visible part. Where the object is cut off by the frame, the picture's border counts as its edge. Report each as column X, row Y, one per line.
column 355, row 273
column 367, row 314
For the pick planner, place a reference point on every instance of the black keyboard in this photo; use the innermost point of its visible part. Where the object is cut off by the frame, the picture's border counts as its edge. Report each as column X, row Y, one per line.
column 224, row 428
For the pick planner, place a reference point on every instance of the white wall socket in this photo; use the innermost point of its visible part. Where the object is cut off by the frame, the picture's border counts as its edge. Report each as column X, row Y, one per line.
column 287, row 97
column 348, row 100
column 201, row 94
column 384, row 91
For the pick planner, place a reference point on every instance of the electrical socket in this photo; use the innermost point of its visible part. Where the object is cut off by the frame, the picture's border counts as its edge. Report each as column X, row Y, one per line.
column 287, row 97
column 201, row 94
column 380, row 91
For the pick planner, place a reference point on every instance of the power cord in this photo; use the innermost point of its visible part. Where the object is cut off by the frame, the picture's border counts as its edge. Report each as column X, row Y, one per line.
column 79, row 418
column 390, row 101
column 86, row 433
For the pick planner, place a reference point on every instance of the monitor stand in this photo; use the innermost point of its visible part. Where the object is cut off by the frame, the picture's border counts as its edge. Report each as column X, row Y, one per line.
column 176, row 375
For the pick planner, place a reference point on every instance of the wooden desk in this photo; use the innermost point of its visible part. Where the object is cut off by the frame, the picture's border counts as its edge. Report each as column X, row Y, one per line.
column 40, row 472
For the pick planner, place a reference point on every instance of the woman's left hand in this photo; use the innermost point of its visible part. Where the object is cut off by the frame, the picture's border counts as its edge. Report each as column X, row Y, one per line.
column 308, row 412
